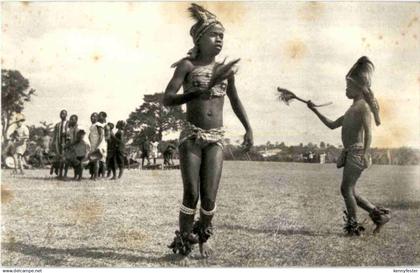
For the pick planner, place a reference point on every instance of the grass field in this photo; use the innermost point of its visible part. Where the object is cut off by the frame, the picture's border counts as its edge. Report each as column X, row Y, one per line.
column 269, row 214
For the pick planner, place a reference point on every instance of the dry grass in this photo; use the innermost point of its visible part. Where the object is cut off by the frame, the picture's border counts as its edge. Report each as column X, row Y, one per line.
column 269, row 214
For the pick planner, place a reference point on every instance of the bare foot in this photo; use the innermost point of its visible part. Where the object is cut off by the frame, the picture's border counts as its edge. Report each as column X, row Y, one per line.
column 378, row 227
column 205, row 250
column 182, row 260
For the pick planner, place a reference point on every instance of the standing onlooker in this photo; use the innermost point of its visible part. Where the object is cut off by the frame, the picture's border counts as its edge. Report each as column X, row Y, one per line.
column 110, row 164
column 77, row 153
column 44, row 148
column 145, row 151
column 59, row 141
column 46, row 142
column 154, row 148
column 94, row 142
column 106, row 134
column 19, row 137
column 119, row 155
column 73, row 128
column 168, row 155
column 70, row 139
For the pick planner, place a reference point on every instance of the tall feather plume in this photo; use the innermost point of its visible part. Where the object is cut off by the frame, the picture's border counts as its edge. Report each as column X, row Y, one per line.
column 222, row 71
column 199, row 13
column 285, row 95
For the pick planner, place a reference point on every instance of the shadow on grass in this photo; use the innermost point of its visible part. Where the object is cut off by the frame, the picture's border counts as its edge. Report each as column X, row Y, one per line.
column 402, row 204
column 45, row 178
column 55, row 179
column 47, row 254
column 286, row 232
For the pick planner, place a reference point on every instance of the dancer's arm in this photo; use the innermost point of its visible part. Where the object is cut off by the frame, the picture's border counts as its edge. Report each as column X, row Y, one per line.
column 367, row 121
column 171, row 98
column 329, row 123
column 239, row 111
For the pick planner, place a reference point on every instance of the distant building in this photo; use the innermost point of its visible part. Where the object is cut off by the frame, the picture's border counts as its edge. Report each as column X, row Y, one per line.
column 269, row 152
column 322, row 158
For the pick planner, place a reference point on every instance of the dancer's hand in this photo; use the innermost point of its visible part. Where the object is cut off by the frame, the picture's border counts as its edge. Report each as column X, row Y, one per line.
column 366, row 161
column 310, row 105
column 205, row 94
column 248, row 140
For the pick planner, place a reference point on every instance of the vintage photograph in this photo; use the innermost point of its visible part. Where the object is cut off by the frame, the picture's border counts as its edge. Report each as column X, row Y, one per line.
column 210, row 134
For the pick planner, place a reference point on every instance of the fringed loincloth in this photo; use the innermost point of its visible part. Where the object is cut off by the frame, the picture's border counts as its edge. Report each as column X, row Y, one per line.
column 352, row 156
column 202, row 137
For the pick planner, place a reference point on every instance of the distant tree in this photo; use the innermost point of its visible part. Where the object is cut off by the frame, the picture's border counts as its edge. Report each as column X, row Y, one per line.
column 152, row 118
column 15, row 91
column 406, row 156
column 322, row 145
column 36, row 132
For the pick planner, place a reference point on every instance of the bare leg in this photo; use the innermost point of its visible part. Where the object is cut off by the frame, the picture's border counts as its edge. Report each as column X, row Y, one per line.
column 210, row 173
column 95, row 167
column 120, row 165
column 15, row 161
column 190, row 161
column 363, row 202
column 66, row 169
column 350, row 176
column 112, row 166
column 80, row 172
column 19, row 159
column 109, row 168
column 41, row 160
column 120, row 172
column 76, row 171
column 60, row 169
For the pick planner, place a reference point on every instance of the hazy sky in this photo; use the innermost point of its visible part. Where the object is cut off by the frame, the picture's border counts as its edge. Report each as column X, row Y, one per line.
column 87, row 57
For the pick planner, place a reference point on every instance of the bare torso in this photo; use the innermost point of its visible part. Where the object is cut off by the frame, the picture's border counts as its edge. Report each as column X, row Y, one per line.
column 204, row 112
column 352, row 128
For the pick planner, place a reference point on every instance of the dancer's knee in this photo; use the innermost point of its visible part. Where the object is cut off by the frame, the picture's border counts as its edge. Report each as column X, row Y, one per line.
column 346, row 191
column 190, row 198
column 208, row 203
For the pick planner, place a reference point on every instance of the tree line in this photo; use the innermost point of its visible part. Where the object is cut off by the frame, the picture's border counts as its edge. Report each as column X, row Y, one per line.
column 152, row 119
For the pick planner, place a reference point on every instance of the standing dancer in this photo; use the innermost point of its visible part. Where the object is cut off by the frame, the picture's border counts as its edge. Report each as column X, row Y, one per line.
column 201, row 149
column 356, row 134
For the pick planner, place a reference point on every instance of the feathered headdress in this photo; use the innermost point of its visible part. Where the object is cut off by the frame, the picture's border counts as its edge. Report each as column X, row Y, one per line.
column 361, row 75
column 204, row 21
